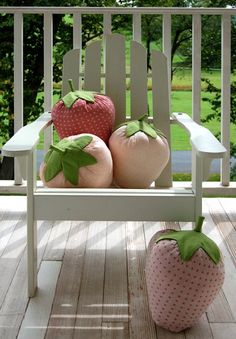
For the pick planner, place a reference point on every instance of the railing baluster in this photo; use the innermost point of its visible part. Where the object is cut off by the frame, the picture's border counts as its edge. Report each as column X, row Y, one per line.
column 225, row 95
column 48, row 74
column 77, row 29
column 196, row 68
column 107, row 23
column 18, row 84
column 166, row 42
column 137, row 29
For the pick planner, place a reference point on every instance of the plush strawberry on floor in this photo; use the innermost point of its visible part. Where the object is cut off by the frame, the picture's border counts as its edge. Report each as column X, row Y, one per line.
column 84, row 112
column 184, row 273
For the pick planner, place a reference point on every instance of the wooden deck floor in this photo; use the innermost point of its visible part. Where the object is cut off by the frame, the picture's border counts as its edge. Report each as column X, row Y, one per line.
column 91, row 277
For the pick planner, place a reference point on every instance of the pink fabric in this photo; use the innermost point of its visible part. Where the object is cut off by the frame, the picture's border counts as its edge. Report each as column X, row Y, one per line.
column 138, row 160
column 85, row 117
column 98, row 175
column 180, row 292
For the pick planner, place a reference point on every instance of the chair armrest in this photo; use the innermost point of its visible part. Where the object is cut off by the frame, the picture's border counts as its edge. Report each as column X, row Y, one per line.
column 202, row 140
column 25, row 140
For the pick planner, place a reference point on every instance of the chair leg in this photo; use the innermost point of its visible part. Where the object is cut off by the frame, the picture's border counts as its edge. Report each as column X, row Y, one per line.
column 32, row 257
column 31, row 226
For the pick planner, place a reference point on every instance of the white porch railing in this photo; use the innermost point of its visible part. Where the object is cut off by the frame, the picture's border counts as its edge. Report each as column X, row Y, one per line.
column 136, row 13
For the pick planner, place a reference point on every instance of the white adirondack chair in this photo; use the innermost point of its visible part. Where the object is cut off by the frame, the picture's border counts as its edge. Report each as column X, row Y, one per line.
column 162, row 202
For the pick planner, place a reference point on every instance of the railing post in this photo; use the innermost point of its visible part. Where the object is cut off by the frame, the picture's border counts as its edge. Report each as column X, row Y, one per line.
column 196, row 68
column 18, row 84
column 48, row 74
column 225, row 95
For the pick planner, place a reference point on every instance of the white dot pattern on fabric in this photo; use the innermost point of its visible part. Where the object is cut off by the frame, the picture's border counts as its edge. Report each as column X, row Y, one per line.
column 180, row 292
column 84, row 117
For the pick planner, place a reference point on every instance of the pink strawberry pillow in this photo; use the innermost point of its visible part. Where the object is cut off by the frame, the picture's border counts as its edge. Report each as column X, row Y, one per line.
column 140, row 152
column 84, row 112
column 184, row 273
column 81, row 160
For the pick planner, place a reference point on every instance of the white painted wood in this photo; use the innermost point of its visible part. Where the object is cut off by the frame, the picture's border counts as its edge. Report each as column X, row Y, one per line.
column 18, row 84
column 71, row 69
column 138, row 80
column 201, row 139
column 196, row 67
column 166, row 47
column 27, row 137
column 37, row 315
column 114, row 206
column 137, row 29
column 119, row 10
column 31, row 226
column 115, row 81
column 161, row 106
column 48, row 64
column 106, row 23
column 48, row 75
column 201, row 330
column 197, row 178
column 92, row 71
column 77, row 31
column 225, row 95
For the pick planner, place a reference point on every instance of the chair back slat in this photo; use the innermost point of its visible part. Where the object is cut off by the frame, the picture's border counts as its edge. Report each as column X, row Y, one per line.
column 71, row 69
column 92, row 70
column 115, row 73
column 161, row 106
column 138, row 80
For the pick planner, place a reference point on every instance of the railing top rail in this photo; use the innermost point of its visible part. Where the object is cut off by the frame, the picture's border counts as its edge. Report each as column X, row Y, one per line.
column 118, row 10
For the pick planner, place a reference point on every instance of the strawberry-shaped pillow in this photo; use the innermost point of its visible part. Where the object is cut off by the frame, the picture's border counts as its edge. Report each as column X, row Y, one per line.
column 184, row 273
column 84, row 112
column 78, row 161
column 140, row 152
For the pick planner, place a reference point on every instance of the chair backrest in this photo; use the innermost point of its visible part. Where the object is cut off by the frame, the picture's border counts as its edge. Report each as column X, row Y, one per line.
column 105, row 70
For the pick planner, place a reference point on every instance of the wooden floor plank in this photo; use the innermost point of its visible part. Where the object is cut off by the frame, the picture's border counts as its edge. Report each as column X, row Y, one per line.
column 89, row 311
column 115, row 301
column 57, row 241
column 63, row 314
column 141, row 325
column 36, row 317
column 229, row 286
column 9, row 325
column 93, row 301
column 115, row 330
column 224, row 331
column 11, row 256
column 224, row 225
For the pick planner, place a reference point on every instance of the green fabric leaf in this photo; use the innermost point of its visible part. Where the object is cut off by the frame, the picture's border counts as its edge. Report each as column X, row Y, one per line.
column 72, row 161
column 134, row 126
column 68, row 156
column 54, row 165
column 70, row 98
column 190, row 241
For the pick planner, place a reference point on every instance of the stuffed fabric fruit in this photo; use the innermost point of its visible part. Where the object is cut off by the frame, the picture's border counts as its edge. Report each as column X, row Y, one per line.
column 81, row 160
column 84, row 112
column 184, row 273
column 140, row 152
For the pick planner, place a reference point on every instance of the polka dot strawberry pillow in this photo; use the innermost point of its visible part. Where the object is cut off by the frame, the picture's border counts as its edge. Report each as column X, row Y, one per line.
column 84, row 112
column 184, row 273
